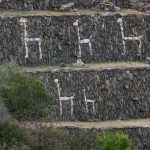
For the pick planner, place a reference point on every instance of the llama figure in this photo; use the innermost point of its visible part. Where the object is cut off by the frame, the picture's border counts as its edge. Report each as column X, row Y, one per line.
column 88, row 101
column 84, row 41
column 23, row 22
column 124, row 38
column 63, row 98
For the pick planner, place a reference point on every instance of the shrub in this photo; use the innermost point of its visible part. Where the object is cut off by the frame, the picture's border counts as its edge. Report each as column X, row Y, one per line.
column 82, row 141
column 7, row 69
column 26, row 96
column 114, row 141
column 15, row 137
column 50, row 138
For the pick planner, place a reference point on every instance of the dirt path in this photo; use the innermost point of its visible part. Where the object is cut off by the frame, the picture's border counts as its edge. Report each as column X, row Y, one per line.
column 88, row 125
column 16, row 13
column 93, row 66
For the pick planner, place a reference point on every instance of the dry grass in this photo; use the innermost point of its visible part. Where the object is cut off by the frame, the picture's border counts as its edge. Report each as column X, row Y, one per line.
column 88, row 125
column 93, row 66
column 16, row 13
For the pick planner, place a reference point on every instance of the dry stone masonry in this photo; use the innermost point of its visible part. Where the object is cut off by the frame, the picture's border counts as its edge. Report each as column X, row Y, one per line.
column 74, row 38
column 115, row 93
column 34, row 40
column 58, row 4
column 140, row 136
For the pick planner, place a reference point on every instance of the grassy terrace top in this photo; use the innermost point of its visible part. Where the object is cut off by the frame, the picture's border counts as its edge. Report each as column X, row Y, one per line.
column 98, row 66
column 17, row 13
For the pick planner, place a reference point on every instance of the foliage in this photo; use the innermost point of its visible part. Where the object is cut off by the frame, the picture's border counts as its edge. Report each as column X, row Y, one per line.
column 25, row 95
column 114, row 141
column 50, row 138
column 15, row 137
column 7, row 69
column 82, row 141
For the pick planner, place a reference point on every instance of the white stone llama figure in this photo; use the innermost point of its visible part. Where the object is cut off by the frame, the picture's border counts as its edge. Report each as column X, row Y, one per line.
column 63, row 98
column 124, row 38
column 84, row 41
column 23, row 22
column 89, row 101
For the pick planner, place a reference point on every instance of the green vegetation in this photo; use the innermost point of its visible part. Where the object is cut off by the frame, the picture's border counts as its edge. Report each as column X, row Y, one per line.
column 114, row 141
column 82, row 141
column 26, row 96
column 14, row 137
column 50, row 138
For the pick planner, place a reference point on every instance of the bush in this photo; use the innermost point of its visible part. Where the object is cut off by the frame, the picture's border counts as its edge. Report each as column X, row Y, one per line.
column 26, row 96
column 82, row 141
column 114, row 141
column 50, row 138
column 6, row 70
column 15, row 137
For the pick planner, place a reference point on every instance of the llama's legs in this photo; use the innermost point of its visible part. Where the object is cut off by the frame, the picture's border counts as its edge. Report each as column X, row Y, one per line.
column 40, row 50
column 60, row 103
column 71, row 107
column 86, row 107
column 90, row 46
column 124, row 47
column 79, row 60
column 93, row 108
column 26, row 50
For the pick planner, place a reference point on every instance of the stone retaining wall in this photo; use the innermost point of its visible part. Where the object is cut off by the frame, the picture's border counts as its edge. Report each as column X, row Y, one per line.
column 50, row 4
column 59, row 38
column 140, row 136
column 118, row 93
column 134, row 4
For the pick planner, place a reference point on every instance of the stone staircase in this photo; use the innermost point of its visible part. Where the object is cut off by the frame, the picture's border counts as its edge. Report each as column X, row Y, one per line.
column 93, row 59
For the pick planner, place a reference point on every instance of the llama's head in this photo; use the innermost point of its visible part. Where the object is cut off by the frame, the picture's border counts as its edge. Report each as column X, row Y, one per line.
column 119, row 20
column 56, row 80
column 90, row 36
column 76, row 23
column 22, row 21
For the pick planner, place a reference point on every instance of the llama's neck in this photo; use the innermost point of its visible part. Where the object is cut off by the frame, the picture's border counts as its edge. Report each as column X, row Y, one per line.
column 25, row 30
column 58, row 88
column 122, row 31
column 84, row 95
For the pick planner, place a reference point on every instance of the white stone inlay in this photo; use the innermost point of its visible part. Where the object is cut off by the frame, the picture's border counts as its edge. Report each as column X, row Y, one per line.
column 89, row 101
column 83, row 41
column 138, row 38
column 64, row 98
column 23, row 22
